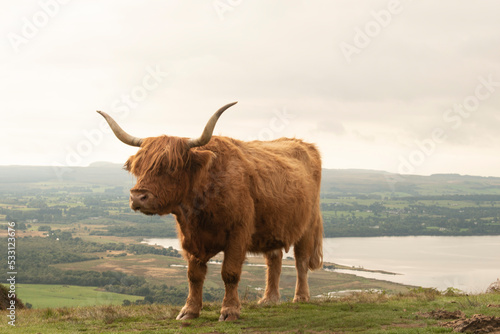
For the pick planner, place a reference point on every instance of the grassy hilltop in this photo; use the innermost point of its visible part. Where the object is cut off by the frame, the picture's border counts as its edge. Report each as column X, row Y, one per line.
column 419, row 311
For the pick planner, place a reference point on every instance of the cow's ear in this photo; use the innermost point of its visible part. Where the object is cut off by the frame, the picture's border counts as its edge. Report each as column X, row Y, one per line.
column 200, row 159
column 128, row 165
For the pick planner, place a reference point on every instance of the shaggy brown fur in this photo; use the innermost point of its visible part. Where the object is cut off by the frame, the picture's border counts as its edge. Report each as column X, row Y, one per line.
column 234, row 197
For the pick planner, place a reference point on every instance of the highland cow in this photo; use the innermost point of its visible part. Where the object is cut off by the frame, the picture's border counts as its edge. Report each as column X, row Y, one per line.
column 235, row 197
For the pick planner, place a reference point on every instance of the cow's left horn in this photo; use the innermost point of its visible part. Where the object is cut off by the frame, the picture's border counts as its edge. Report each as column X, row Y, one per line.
column 209, row 128
column 120, row 133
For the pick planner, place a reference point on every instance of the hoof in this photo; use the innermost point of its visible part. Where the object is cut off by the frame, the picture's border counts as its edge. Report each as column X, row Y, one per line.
column 269, row 300
column 186, row 316
column 299, row 299
column 228, row 317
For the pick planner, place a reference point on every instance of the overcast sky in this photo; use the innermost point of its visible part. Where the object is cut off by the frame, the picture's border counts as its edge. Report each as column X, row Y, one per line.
column 401, row 86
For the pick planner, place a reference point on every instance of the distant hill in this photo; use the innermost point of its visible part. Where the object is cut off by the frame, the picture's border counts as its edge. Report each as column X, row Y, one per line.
column 335, row 181
column 98, row 173
column 355, row 181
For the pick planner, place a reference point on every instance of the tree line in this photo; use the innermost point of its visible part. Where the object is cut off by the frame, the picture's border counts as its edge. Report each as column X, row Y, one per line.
column 357, row 220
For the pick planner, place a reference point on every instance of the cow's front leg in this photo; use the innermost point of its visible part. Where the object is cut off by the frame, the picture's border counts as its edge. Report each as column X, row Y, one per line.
column 231, row 272
column 196, row 276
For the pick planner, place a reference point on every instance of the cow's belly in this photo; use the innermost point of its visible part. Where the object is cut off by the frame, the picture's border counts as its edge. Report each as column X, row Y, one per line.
column 264, row 245
column 280, row 231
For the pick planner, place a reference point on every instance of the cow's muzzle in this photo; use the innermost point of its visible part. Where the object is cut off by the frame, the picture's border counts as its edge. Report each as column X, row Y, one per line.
column 142, row 200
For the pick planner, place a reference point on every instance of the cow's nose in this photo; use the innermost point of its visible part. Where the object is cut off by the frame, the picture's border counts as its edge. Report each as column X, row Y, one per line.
column 137, row 200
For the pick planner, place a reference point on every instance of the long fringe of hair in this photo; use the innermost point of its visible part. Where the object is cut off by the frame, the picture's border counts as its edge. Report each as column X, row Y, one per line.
column 159, row 155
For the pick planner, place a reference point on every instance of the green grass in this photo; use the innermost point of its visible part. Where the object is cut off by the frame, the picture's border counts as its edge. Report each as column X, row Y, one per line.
column 363, row 312
column 44, row 295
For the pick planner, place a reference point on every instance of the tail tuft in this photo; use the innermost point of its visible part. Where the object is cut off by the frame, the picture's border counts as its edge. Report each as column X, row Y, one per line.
column 316, row 260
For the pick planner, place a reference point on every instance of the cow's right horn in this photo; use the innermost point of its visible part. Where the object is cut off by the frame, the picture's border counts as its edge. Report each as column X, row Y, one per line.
column 120, row 133
column 209, row 128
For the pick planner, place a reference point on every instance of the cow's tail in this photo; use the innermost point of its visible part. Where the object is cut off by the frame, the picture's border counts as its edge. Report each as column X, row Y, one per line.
column 316, row 259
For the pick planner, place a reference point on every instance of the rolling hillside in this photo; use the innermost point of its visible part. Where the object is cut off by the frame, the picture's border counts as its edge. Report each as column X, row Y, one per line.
column 335, row 181
column 355, row 203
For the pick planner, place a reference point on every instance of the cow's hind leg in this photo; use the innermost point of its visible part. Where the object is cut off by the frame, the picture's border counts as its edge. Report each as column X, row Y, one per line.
column 302, row 251
column 273, row 261
column 196, row 276
column 308, row 255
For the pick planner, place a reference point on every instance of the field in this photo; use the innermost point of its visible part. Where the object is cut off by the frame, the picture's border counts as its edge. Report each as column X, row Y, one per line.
column 419, row 311
column 56, row 296
column 153, row 274
column 167, row 270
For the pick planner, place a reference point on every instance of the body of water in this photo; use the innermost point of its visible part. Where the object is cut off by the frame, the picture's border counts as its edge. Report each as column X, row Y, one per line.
column 470, row 264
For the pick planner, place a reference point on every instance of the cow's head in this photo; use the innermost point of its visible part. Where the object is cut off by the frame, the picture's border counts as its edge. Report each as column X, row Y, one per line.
column 164, row 166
